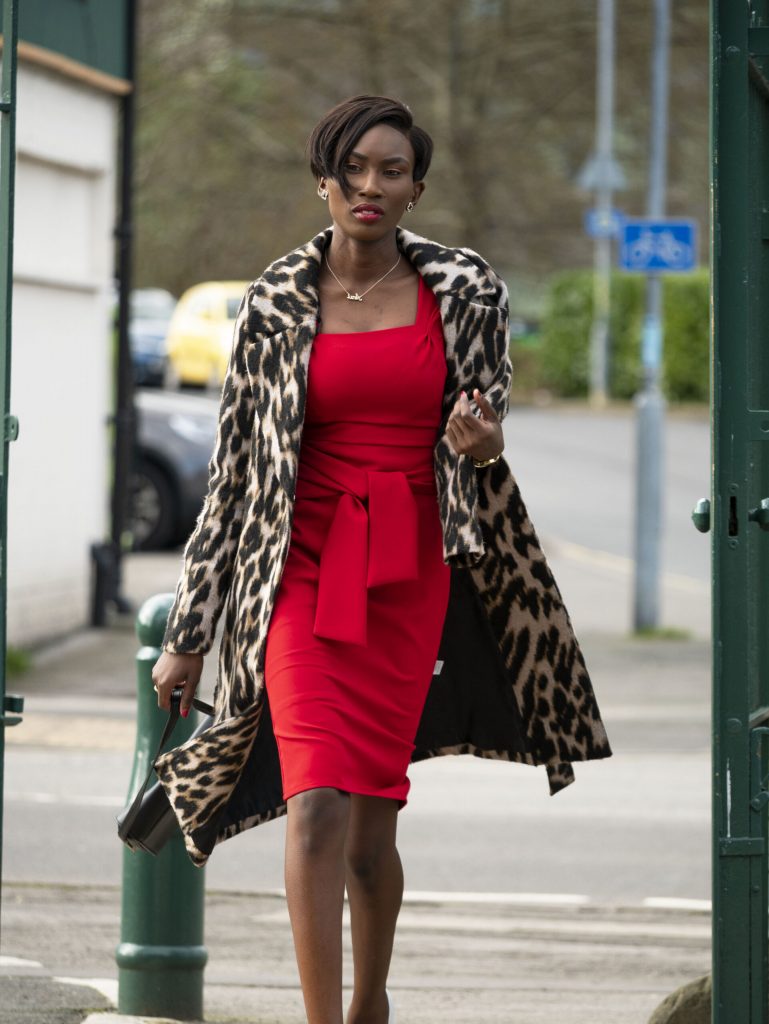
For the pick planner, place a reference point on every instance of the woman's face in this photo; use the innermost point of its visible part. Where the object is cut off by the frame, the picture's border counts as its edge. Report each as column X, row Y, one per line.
column 380, row 171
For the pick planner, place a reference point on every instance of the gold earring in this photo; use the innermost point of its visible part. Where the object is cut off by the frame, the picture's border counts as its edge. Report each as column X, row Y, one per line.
column 322, row 192
column 410, row 207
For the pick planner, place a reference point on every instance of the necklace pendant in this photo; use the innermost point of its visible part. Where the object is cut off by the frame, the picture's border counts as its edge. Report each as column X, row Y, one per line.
column 355, row 297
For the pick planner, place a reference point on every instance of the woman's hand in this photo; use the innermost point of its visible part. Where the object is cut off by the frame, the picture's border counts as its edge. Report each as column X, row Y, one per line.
column 172, row 670
column 479, row 436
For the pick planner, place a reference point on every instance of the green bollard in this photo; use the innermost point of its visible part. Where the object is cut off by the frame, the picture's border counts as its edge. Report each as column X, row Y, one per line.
column 161, row 955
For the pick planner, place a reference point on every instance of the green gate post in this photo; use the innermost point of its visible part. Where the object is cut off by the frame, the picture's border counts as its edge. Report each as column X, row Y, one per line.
column 10, row 706
column 161, row 955
column 740, row 509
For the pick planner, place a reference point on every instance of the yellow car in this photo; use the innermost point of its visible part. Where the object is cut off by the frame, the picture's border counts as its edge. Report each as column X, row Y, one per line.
column 199, row 337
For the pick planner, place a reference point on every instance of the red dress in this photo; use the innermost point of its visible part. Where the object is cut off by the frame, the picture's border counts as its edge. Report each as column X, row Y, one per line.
column 357, row 619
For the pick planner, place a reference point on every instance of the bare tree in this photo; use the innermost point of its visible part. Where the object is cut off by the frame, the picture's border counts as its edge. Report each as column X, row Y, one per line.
column 229, row 91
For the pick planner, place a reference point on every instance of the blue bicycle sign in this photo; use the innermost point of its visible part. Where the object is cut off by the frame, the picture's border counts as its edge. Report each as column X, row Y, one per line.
column 658, row 245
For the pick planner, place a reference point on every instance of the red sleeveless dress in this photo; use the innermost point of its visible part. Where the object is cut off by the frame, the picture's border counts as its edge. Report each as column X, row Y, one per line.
column 357, row 619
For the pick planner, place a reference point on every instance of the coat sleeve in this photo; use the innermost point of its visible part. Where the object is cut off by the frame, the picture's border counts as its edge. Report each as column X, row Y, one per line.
column 209, row 554
column 498, row 392
column 456, row 476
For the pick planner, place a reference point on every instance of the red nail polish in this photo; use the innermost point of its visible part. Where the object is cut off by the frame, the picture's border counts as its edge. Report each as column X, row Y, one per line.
column 185, row 712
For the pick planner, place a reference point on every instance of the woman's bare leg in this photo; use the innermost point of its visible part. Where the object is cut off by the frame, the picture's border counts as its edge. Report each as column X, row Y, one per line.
column 375, row 890
column 315, row 876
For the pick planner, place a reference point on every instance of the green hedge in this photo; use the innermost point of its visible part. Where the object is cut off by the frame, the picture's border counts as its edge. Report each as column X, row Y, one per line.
column 564, row 358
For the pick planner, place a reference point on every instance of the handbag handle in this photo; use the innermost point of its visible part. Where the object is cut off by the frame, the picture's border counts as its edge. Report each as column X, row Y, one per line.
column 173, row 718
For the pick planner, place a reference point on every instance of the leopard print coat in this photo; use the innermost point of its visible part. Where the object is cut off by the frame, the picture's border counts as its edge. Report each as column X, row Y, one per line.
column 510, row 679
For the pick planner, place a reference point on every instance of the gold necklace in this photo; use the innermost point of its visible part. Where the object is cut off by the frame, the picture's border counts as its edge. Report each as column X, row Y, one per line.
column 355, row 297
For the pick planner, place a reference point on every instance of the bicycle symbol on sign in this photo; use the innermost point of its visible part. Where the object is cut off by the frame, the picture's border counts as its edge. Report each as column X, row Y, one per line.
column 647, row 245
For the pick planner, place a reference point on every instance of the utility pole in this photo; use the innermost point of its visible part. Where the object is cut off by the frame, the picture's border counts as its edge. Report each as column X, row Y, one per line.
column 650, row 405
column 107, row 556
column 125, row 413
column 604, row 180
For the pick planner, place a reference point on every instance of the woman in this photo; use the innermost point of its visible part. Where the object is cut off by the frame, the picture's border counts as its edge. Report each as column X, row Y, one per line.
column 386, row 596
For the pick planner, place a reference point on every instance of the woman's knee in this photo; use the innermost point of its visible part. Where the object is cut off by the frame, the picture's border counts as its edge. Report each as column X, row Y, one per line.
column 318, row 820
column 365, row 861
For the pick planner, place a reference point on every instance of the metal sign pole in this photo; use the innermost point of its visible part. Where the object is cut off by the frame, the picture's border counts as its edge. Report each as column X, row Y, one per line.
column 599, row 334
column 650, row 404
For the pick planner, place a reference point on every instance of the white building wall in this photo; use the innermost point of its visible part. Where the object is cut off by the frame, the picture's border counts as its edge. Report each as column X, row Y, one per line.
column 61, row 357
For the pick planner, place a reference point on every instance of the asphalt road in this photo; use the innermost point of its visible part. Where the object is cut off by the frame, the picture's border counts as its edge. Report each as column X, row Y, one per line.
column 576, row 470
column 632, row 828
column 622, row 834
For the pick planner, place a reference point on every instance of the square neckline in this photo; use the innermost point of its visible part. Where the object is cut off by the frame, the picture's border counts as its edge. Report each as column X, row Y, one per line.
column 382, row 330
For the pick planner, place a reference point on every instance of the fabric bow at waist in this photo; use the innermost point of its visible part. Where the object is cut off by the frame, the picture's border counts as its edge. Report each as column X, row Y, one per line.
column 373, row 538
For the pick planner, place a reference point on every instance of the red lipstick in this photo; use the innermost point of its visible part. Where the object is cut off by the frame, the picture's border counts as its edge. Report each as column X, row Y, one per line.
column 368, row 213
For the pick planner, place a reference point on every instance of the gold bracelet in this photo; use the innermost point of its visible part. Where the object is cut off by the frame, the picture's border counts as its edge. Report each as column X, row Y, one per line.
column 486, row 462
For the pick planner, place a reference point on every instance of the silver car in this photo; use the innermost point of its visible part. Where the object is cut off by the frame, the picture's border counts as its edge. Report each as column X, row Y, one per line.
column 175, row 438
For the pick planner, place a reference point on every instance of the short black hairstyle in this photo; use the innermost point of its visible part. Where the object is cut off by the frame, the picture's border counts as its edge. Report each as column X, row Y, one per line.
column 334, row 137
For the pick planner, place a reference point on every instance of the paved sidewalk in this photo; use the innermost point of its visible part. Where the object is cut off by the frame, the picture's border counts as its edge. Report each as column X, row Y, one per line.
column 453, row 963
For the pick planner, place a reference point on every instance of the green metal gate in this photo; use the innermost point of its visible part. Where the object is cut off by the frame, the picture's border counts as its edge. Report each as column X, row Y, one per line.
column 740, row 508
column 9, row 706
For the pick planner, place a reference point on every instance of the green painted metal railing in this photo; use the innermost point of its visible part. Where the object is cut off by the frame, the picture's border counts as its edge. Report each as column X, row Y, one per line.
column 10, row 706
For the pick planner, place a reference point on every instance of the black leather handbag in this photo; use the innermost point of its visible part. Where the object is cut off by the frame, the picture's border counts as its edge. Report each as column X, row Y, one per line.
column 149, row 821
